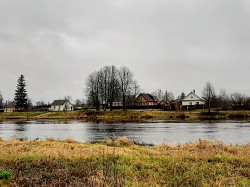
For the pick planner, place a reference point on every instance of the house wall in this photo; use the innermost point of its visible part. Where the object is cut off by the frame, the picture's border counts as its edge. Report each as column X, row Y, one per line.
column 65, row 107
column 186, row 103
column 141, row 101
column 9, row 109
column 192, row 99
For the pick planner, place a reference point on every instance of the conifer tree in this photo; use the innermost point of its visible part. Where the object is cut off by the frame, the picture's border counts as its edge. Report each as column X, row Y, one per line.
column 21, row 99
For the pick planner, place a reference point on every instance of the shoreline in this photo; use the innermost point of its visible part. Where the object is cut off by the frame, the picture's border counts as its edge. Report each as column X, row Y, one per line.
column 128, row 115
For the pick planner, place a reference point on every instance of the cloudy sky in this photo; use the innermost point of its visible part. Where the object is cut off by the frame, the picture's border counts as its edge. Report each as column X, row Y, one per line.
column 170, row 45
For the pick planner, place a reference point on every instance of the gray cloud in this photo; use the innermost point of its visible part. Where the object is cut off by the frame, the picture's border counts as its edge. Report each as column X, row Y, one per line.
column 173, row 45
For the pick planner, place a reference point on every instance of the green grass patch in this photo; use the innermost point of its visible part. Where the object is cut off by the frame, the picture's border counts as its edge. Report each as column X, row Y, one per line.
column 5, row 175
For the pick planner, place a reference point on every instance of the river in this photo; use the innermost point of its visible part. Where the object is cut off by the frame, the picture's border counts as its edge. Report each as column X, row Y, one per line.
column 152, row 132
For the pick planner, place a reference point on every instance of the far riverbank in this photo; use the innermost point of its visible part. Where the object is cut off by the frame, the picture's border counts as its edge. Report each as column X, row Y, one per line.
column 128, row 115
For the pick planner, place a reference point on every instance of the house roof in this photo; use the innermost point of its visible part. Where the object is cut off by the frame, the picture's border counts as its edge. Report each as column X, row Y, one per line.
column 11, row 105
column 58, row 102
column 192, row 93
column 150, row 98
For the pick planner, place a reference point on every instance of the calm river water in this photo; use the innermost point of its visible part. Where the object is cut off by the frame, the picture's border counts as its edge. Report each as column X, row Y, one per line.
column 235, row 132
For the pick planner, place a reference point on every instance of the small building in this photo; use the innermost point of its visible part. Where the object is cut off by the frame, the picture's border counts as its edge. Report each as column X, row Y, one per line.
column 11, row 107
column 145, row 99
column 61, row 105
column 192, row 101
column 175, row 105
column 164, row 105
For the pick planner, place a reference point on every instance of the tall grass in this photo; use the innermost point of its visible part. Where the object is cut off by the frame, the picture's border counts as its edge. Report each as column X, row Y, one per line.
column 119, row 162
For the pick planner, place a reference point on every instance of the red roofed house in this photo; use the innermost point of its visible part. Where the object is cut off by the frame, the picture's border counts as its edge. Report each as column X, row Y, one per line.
column 146, row 100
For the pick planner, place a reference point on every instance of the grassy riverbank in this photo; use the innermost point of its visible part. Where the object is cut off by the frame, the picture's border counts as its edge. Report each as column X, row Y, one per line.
column 129, row 115
column 121, row 163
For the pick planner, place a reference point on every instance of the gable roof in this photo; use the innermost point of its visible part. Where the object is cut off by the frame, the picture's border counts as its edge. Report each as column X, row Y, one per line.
column 11, row 104
column 58, row 102
column 150, row 98
column 192, row 93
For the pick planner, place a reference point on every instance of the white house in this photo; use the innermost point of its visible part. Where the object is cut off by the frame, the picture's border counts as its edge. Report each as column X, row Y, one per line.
column 61, row 105
column 192, row 101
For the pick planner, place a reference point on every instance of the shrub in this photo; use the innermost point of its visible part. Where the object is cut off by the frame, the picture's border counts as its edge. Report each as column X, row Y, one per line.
column 50, row 139
column 182, row 115
column 5, row 175
column 70, row 140
column 122, row 141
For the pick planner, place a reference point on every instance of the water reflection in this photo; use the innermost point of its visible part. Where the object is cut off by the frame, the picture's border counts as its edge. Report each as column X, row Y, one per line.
column 150, row 132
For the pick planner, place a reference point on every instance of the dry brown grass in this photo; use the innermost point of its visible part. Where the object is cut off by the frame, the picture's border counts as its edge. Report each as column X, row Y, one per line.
column 204, row 148
column 122, row 141
column 50, row 139
column 70, row 140
column 119, row 162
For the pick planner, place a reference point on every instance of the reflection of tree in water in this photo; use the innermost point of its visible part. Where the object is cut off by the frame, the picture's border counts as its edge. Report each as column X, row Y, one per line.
column 20, row 130
column 99, row 131
column 55, row 122
column 210, row 129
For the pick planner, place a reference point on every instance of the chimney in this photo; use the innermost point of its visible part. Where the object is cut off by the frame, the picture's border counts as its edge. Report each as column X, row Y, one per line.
column 193, row 91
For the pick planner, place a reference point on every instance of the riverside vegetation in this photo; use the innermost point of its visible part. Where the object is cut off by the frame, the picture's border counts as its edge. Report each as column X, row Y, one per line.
column 129, row 115
column 119, row 162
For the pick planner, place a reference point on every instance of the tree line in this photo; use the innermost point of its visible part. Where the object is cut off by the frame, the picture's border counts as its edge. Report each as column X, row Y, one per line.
column 223, row 100
column 110, row 84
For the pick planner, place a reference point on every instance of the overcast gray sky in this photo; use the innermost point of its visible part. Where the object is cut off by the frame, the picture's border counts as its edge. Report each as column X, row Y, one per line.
column 175, row 45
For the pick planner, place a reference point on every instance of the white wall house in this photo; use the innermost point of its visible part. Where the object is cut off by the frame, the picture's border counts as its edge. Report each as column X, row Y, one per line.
column 61, row 105
column 192, row 100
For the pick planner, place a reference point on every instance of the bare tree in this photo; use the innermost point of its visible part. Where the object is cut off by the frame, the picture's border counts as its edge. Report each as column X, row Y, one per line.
column 126, row 84
column 29, row 102
column 208, row 94
column 78, row 103
column 238, row 100
column 93, row 89
column 68, row 98
column 108, row 86
column 169, row 96
column 40, row 103
column 159, row 94
column 1, row 100
column 223, row 99
column 103, row 87
column 136, row 89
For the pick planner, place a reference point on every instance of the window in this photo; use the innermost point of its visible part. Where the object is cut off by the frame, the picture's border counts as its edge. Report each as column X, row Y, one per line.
column 143, row 104
column 191, row 96
column 190, row 103
column 197, row 103
column 141, row 97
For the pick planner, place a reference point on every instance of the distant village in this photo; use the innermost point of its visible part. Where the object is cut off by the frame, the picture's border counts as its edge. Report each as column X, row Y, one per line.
column 115, row 88
column 142, row 101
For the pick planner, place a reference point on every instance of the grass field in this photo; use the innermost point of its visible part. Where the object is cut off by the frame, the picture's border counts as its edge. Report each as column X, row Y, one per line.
column 121, row 163
column 128, row 115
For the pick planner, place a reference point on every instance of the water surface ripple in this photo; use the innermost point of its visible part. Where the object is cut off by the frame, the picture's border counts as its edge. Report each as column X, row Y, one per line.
column 235, row 132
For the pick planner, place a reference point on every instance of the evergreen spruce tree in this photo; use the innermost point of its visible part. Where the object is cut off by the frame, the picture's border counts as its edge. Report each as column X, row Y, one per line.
column 21, row 99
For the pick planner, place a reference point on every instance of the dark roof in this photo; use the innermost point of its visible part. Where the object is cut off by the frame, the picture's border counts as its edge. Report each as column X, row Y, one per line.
column 11, row 105
column 58, row 102
column 155, row 98
column 150, row 98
